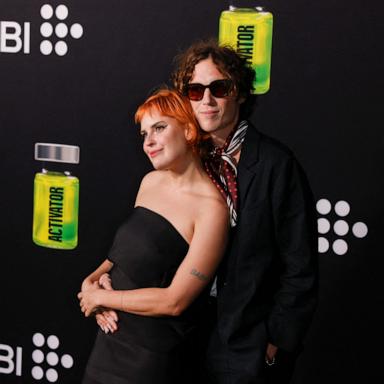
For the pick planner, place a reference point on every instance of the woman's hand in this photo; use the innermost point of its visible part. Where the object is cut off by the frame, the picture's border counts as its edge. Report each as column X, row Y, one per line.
column 107, row 319
column 86, row 284
column 89, row 299
column 105, row 281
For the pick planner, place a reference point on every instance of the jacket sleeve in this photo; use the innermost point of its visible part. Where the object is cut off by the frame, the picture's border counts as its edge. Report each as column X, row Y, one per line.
column 295, row 226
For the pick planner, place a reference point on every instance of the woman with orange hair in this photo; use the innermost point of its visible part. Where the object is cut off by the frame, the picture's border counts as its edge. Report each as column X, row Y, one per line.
column 162, row 259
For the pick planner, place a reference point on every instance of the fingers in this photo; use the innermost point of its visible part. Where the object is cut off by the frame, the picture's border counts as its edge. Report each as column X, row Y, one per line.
column 106, row 322
column 105, row 281
column 87, row 312
column 110, row 313
column 113, row 314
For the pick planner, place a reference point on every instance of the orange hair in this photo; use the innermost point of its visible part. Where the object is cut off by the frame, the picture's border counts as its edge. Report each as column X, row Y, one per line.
column 172, row 104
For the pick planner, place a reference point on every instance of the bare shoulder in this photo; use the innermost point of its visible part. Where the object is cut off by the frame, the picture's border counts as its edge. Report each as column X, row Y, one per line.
column 151, row 179
column 212, row 206
column 149, row 183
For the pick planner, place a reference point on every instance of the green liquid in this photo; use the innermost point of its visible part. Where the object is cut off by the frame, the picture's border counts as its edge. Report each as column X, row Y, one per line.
column 55, row 210
column 249, row 32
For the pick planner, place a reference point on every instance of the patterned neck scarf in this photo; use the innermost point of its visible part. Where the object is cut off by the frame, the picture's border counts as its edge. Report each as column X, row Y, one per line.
column 221, row 167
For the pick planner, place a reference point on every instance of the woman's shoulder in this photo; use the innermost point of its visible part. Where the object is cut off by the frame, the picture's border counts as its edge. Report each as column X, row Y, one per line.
column 152, row 178
column 211, row 200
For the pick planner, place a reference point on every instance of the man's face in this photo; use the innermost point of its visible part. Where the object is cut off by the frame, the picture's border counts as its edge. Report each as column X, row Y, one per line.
column 217, row 116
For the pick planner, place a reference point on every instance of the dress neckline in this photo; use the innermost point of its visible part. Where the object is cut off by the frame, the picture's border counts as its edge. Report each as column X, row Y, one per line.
column 164, row 219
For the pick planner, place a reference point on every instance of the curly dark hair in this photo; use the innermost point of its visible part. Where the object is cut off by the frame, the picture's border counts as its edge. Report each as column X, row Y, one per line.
column 228, row 62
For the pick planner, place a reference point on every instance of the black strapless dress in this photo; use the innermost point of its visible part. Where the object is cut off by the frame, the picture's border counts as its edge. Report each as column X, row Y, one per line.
column 146, row 252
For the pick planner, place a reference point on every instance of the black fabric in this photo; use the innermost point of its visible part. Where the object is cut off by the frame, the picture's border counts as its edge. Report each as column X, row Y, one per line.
column 267, row 284
column 146, row 252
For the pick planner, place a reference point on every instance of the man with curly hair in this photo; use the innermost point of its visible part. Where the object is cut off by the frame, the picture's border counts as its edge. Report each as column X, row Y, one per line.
column 266, row 287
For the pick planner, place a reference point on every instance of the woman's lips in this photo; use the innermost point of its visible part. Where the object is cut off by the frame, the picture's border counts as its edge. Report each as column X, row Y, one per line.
column 153, row 153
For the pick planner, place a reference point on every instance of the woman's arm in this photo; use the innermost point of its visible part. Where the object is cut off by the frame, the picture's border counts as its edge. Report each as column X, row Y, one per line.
column 94, row 277
column 105, row 318
column 197, row 269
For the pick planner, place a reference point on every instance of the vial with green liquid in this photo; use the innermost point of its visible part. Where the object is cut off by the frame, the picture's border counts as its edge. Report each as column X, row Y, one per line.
column 56, row 197
column 249, row 31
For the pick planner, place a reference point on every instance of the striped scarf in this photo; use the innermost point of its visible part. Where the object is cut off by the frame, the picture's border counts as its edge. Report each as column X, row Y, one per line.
column 221, row 167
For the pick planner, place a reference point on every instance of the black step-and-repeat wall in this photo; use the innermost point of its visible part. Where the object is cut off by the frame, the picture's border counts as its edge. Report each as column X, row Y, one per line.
column 73, row 72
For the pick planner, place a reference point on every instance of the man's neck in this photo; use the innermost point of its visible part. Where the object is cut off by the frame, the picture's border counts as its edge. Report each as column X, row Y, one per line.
column 220, row 136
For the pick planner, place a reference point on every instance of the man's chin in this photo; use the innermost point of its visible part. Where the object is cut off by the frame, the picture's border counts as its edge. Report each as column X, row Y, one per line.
column 209, row 128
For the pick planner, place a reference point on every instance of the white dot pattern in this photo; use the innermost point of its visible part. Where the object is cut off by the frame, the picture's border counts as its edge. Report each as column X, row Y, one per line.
column 323, row 245
column 323, row 206
column 46, row 29
column 37, row 373
column 341, row 227
column 61, row 12
column 51, row 375
column 60, row 28
column 46, row 11
column 323, row 225
column 340, row 247
column 342, row 208
column 47, row 357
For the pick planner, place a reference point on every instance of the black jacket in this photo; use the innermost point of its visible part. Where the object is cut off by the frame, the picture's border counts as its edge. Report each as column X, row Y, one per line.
column 267, row 283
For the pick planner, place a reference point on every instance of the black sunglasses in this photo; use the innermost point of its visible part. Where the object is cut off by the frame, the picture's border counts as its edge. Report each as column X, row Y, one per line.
column 218, row 88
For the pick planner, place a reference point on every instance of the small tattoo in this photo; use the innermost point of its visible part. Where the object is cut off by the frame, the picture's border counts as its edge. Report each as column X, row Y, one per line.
column 199, row 275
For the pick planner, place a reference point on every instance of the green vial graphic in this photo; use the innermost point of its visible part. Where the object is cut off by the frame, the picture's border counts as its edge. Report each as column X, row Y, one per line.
column 56, row 197
column 249, row 32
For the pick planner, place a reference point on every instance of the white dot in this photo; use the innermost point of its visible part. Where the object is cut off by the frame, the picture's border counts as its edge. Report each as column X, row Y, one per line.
column 67, row 361
column 61, row 48
column 323, row 206
column 52, row 358
column 51, row 375
column 323, row 245
column 46, row 29
column 38, row 339
column 46, row 11
column 342, row 208
column 340, row 247
column 323, row 225
column 46, row 47
column 37, row 356
column 53, row 342
column 360, row 229
column 76, row 31
column 341, row 227
column 61, row 12
column 37, row 373
column 61, row 30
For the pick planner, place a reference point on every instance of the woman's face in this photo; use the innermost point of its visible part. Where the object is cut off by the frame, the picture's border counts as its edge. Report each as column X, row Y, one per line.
column 164, row 140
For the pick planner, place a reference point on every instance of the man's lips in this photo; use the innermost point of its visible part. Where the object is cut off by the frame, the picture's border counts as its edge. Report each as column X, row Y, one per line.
column 209, row 113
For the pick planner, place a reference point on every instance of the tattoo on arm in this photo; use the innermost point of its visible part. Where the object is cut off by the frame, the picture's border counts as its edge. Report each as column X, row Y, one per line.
column 199, row 275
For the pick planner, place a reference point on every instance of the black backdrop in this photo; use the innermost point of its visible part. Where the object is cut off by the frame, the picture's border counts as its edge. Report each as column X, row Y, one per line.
column 324, row 103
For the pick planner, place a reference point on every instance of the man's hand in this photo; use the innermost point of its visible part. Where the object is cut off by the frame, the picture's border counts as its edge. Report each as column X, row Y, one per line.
column 270, row 354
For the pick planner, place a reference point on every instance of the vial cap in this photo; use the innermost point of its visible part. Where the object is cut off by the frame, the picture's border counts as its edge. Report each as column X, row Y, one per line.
column 60, row 153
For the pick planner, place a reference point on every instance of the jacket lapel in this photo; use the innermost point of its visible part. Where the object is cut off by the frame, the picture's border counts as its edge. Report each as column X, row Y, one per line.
column 249, row 157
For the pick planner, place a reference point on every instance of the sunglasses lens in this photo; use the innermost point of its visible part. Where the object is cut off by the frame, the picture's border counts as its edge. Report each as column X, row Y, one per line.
column 195, row 92
column 220, row 88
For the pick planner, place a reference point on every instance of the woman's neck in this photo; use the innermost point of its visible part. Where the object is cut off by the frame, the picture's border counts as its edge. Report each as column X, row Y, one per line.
column 187, row 172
